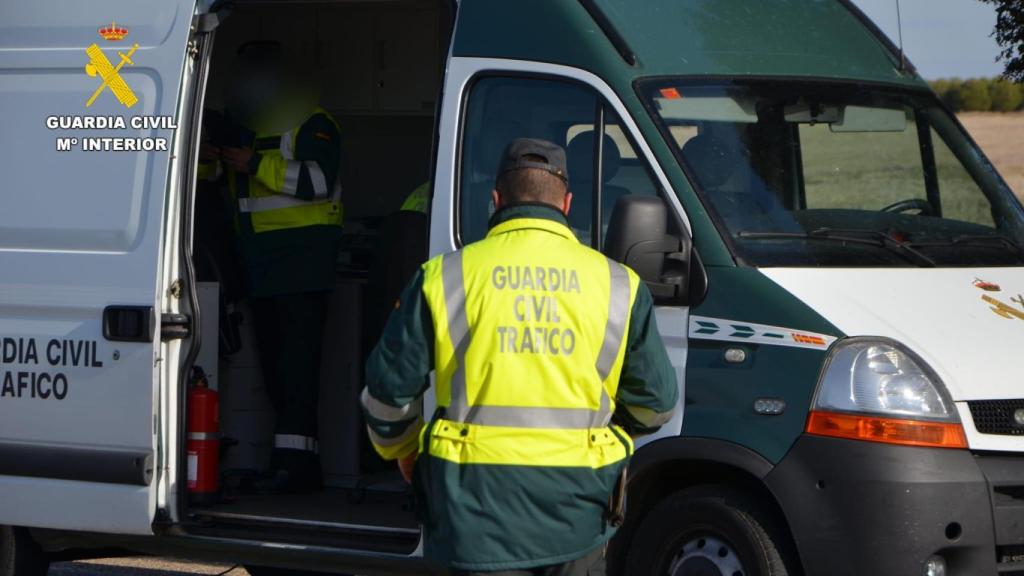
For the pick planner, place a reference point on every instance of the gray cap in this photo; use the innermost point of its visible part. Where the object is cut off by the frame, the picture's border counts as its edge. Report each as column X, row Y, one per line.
column 514, row 157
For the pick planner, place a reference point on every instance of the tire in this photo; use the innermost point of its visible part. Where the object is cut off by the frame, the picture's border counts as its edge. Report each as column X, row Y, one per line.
column 709, row 531
column 20, row 555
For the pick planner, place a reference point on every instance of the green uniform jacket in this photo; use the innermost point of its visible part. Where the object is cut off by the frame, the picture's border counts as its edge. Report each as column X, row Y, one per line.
column 483, row 519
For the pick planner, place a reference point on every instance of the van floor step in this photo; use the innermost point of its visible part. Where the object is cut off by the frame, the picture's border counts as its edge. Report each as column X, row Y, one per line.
column 349, row 518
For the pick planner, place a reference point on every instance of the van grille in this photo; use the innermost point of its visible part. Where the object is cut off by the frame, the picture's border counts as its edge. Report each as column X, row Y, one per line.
column 1011, row 560
column 997, row 416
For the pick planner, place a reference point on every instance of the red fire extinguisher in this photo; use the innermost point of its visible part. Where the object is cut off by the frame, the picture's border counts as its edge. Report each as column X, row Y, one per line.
column 203, row 440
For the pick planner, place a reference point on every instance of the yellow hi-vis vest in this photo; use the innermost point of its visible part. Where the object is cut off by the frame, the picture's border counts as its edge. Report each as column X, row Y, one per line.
column 530, row 330
column 418, row 200
column 270, row 210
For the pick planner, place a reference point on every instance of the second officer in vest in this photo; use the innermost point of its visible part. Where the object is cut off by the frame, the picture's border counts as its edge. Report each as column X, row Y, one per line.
column 282, row 154
column 547, row 360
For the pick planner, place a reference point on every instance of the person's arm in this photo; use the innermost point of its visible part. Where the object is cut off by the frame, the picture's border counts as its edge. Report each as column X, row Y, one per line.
column 312, row 173
column 648, row 391
column 397, row 375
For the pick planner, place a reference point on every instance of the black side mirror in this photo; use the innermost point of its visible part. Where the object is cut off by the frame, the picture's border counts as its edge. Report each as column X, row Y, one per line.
column 637, row 237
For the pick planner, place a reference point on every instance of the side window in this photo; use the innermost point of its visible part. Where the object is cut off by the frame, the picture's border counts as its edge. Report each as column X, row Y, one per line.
column 623, row 172
column 563, row 112
column 502, row 109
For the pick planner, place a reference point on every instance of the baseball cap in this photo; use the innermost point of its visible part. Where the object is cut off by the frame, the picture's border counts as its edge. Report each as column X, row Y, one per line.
column 517, row 152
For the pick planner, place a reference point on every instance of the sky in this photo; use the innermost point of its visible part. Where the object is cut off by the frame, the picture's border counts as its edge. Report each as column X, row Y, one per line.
column 943, row 38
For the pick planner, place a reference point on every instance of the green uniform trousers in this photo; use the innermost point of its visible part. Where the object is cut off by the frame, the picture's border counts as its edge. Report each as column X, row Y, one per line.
column 289, row 333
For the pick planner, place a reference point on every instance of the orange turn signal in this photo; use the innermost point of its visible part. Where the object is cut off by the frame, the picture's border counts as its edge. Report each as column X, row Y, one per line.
column 887, row 430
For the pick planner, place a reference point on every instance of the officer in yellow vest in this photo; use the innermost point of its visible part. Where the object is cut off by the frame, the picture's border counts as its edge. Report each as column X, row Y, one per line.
column 282, row 158
column 547, row 360
column 417, row 200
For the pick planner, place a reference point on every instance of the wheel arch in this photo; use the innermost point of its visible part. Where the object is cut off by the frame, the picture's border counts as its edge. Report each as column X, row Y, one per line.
column 672, row 464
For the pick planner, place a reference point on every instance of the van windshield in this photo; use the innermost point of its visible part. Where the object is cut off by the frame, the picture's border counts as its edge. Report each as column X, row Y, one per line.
column 834, row 174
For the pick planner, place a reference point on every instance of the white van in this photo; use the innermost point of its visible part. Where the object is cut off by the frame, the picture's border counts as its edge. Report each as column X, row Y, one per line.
column 837, row 267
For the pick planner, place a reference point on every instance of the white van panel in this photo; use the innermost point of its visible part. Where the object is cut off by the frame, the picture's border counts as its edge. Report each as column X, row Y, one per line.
column 54, row 205
column 81, row 231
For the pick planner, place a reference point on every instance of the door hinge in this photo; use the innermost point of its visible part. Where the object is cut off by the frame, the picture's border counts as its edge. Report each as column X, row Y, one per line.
column 175, row 289
column 175, row 326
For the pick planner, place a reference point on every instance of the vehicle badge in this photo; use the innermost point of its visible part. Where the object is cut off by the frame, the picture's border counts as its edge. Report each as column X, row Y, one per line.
column 100, row 66
column 986, row 286
column 113, row 33
column 1008, row 311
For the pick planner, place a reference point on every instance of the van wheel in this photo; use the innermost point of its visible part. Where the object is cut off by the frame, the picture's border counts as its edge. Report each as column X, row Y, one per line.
column 20, row 555
column 707, row 531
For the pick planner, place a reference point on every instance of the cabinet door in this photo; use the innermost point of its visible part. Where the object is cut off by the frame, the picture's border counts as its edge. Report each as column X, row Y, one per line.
column 406, row 72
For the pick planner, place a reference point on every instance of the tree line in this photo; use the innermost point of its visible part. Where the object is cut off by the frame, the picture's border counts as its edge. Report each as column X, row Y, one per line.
column 980, row 94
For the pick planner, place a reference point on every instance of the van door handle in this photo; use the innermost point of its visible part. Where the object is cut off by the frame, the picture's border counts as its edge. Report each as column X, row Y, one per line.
column 128, row 323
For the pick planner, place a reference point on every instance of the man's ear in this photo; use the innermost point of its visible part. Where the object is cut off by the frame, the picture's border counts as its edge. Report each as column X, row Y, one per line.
column 566, row 203
column 496, row 198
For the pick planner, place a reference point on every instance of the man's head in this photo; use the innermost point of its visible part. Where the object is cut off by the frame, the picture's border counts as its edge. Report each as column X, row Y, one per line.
column 533, row 171
column 263, row 77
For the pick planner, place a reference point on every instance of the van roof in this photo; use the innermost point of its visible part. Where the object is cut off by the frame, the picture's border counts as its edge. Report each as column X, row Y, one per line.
column 794, row 38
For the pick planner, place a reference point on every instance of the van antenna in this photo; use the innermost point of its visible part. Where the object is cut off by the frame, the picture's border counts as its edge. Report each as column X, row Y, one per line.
column 899, row 29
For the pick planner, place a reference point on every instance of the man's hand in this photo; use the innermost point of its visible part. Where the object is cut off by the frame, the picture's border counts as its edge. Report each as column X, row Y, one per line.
column 406, row 465
column 238, row 159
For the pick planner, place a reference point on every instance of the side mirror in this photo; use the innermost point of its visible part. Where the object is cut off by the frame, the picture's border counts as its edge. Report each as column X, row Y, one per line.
column 637, row 237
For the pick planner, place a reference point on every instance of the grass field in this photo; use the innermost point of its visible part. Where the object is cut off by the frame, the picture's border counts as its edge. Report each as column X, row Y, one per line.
column 1001, row 136
column 877, row 169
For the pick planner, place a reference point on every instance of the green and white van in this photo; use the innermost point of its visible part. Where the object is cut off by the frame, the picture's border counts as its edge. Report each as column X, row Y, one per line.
column 838, row 268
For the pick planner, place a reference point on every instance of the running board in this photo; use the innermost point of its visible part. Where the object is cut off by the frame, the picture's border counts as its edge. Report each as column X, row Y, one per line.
column 384, row 539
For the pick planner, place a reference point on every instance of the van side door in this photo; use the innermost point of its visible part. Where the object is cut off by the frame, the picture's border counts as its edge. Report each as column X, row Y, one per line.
column 488, row 102
column 89, row 92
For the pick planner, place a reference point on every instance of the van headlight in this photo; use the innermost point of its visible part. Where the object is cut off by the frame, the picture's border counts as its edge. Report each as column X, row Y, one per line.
column 875, row 389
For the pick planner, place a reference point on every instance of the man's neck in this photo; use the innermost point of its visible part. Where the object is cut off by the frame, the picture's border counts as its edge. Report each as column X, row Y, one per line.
column 541, row 210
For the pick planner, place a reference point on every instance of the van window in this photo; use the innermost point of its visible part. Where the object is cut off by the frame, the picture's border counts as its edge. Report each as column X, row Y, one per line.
column 565, row 113
column 836, row 174
column 502, row 109
column 622, row 172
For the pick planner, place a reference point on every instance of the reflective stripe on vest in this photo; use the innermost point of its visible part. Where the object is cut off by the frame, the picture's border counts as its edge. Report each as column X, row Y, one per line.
column 296, row 442
column 459, row 409
column 276, row 202
column 269, row 210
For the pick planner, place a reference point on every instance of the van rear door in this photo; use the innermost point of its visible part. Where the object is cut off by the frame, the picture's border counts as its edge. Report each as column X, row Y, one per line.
column 85, row 169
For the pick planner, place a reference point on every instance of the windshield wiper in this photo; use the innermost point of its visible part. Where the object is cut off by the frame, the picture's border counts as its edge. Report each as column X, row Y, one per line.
column 866, row 237
column 977, row 240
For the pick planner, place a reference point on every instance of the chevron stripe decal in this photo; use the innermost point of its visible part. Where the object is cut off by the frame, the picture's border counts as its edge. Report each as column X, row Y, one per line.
column 704, row 328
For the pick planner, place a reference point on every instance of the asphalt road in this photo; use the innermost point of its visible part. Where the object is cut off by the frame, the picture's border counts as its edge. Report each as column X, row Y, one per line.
column 141, row 566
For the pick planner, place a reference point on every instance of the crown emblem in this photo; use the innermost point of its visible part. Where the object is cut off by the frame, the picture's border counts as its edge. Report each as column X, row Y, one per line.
column 113, row 33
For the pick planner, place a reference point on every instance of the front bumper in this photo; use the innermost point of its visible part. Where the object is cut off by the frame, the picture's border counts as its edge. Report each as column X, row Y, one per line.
column 868, row 508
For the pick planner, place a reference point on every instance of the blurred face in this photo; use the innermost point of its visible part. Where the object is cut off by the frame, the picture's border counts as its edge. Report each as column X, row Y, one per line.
column 254, row 90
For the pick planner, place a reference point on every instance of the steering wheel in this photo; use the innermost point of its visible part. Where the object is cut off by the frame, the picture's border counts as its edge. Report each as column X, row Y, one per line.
column 923, row 206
